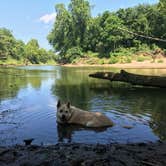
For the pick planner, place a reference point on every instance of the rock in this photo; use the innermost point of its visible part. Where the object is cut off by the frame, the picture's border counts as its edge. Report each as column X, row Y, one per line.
column 127, row 127
column 28, row 141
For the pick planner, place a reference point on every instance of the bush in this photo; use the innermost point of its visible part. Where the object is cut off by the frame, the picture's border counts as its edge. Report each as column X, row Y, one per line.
column 113, row 60
column 125, row 51
column 144, row 47
column 160, row 61
column 92, row 54
column 154, row 47
column 73, row 53
column 140, row 59
column 101, row 61
column 125, row 59
column 92, row 61
column 76, row 60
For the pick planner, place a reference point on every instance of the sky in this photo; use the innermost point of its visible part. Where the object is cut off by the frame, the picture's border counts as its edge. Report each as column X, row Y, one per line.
column 29, row 19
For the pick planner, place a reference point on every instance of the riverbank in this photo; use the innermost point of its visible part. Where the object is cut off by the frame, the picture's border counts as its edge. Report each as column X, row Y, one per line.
column 13, row 63
column 75, row 154
column 134, row 64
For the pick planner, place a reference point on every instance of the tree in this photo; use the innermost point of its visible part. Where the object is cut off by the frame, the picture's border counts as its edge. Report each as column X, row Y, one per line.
column 32, row 51
column 110, row 35
column 92, row 35
column 7, row 42
column 75, row 28
column 162, row 6
column 80, row 13
column 19, row 50
column 70, row 26
column 61, row 35
column 43, row 55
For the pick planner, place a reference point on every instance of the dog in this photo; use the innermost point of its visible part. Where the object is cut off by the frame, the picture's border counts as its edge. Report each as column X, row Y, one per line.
column 67, row 114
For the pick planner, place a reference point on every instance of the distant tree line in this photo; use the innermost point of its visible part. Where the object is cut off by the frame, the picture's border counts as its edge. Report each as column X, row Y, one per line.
column 76, row 32
column 18, row 50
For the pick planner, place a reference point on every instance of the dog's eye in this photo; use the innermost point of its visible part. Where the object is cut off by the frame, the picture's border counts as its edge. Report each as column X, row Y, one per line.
column 66, row 111
column 60, row 111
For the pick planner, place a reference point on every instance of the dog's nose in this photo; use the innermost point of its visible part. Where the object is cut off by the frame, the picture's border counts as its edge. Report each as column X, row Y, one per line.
column 63, row 116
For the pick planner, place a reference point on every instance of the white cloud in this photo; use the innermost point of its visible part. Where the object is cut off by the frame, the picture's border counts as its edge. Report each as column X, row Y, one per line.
column 48, row 18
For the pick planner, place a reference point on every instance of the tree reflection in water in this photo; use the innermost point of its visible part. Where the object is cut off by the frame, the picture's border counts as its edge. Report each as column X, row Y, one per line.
column 86, row 93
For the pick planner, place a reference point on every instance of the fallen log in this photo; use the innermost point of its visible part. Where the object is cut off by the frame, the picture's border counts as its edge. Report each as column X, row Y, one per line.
column 134, row 79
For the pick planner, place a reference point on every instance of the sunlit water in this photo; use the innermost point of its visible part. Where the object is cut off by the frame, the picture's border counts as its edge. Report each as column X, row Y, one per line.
column 28, row 97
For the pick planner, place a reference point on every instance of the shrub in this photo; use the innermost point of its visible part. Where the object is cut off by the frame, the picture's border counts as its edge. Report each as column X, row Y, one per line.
column 92, row 54
column 125, row 59
column 140, row 58
column 144, row 47
column 101, row 61
column 92, row 61
column 73, row 53
column 76, row 60
column 113, row 60
column 160, row 61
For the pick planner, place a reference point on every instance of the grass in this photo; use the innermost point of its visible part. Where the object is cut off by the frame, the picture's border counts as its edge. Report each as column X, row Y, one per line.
column 113, row 60
column 15, row 62
column 142, row 58
column 160, row 61
column 11, row 61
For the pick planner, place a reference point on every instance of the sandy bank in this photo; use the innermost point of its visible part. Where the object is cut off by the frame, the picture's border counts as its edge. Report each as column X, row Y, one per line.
column 133, row 64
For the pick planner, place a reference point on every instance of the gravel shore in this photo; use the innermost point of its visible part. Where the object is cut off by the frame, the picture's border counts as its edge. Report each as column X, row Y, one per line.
column 75, row 154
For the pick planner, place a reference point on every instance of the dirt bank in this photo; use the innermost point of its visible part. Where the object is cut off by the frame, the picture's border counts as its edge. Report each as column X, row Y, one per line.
column 152, row 154
column 134, row 64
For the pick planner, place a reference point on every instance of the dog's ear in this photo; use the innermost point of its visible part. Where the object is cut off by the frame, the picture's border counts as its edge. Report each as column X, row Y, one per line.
column 58, row 104
column 68, row 104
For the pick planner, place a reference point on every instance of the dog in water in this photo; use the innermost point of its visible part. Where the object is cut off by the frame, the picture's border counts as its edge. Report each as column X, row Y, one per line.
column 67, row 114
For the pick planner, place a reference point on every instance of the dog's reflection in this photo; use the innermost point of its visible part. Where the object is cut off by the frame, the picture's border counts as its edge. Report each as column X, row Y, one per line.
column 66, row 131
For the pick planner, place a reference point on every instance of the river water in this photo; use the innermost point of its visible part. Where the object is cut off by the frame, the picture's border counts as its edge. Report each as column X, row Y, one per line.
column 28, row 97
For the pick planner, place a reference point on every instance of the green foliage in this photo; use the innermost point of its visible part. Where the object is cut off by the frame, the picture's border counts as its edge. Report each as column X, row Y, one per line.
column 162, row 6
column 70, row 27
column 7, row 42
column 73, row 53
column 113, row 60
column 160, row 61
column 91, row 54
column 92, row 61
column 32, row 51
column 14, row 51
column 74, row 27
column 80, row 13
column 101, row 61
column 141, row 58
column 61, row 36
column 125, row 59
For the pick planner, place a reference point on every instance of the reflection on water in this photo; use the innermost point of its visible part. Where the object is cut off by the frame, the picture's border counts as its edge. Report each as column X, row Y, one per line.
column 66, row 132
column 28, row 97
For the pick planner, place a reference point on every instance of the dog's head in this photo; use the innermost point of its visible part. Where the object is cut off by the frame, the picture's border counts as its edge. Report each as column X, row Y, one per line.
column 64, row 112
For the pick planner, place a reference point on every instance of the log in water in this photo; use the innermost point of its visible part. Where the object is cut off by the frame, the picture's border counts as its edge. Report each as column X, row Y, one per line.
column 134, row 79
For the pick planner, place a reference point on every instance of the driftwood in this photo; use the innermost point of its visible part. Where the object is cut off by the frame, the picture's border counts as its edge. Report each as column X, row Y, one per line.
column 134, row 79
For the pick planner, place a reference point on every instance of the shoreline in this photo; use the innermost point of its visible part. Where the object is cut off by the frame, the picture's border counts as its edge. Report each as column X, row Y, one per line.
column 132, row 65
column 74, row 154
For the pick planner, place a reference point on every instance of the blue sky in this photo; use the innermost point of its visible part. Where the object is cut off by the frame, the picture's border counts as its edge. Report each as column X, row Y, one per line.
column 29, row 19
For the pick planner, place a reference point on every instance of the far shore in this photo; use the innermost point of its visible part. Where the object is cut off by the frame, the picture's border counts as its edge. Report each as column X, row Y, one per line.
column 132, row 65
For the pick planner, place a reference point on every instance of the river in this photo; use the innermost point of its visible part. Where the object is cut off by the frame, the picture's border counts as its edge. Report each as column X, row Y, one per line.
column 28, row 97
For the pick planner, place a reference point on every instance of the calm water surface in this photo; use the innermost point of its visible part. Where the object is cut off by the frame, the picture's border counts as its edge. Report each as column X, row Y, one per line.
column 28, row 97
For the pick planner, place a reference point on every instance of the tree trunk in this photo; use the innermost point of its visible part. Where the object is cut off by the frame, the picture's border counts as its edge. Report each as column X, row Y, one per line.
column 134, row 79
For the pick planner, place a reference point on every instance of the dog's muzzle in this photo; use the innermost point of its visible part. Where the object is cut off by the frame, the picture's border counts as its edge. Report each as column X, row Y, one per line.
column 63, row 118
